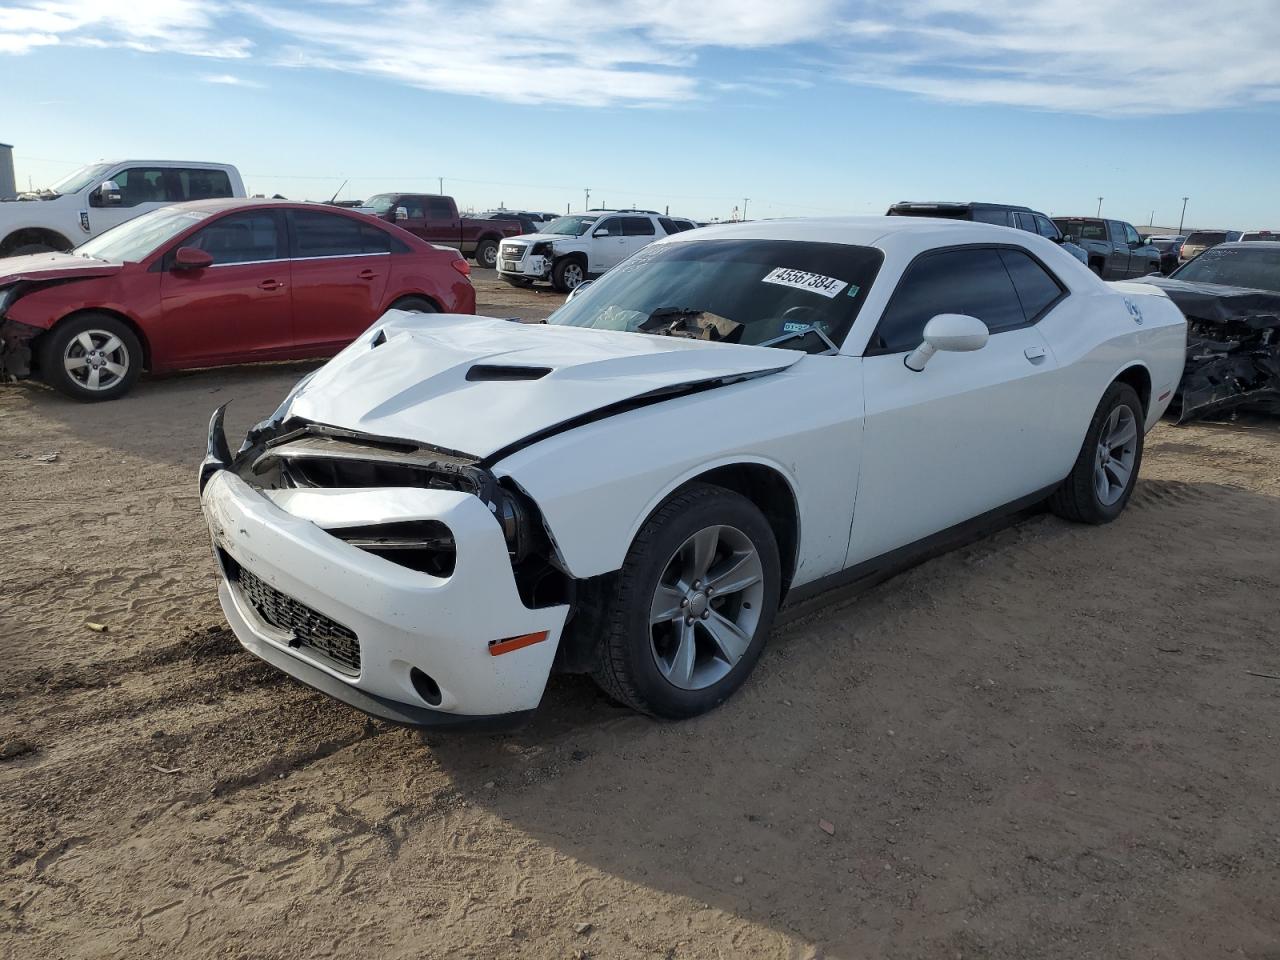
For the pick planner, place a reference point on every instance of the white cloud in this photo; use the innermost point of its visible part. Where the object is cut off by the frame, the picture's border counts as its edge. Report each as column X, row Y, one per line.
column 175, row 26
column 228, row 80
column 1080, row 56
column 1115, row 57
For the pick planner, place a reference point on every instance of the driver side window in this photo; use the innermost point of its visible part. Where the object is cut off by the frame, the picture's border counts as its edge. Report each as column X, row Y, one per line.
column 969, row 281
column 612, row 224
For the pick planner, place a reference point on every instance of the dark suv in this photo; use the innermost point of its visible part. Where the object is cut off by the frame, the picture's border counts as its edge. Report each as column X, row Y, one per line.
column 1001, row 214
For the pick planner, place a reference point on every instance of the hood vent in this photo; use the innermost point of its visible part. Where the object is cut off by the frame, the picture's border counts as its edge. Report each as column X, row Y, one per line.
column 490, row 372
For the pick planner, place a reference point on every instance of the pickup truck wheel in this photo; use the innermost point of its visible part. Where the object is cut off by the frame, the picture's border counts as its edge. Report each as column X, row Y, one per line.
column 692, row 606
column 567, row 274
column 415, row 305
column 1106, row 469
column 1096, row 267
column 91, row 358
column 487, row 254
column 30, row 248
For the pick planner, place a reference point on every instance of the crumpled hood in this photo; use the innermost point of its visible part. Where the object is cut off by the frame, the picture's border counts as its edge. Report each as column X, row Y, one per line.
column 53, row 266
column 1218, row 303
column 464, row 384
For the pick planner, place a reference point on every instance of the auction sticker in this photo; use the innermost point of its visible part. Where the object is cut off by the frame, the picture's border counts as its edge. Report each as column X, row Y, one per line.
column 814, row 282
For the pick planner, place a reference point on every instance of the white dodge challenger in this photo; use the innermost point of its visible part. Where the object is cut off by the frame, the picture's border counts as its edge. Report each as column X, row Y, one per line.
column 735, row 418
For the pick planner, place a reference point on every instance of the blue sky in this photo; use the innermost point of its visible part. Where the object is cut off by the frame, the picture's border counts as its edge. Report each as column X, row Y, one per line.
column 808, row 107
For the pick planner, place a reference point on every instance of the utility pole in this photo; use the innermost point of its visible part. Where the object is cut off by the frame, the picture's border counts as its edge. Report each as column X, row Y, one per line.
column 441, row 179
column 1099, row 206
column 587, row 192
column 1184, row 214
column 744, row 207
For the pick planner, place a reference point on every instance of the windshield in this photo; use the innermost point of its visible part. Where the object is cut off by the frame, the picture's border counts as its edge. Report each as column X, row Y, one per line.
column 569, row 226
column 380, row 204
column 134, row 239
column 739, row 291
column 75, row 182
column 1256, row 268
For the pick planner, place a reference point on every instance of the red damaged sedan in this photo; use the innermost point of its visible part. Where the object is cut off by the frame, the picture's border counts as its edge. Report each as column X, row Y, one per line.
column 214, row 282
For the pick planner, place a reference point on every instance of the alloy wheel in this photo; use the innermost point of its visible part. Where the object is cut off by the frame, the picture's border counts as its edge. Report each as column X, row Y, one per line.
column 96, row 359
column 1117, row 452
column 706, row 607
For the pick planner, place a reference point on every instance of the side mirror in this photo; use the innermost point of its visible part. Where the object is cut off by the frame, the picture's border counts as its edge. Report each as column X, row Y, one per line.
column 578, row 289
column 601, row 233
column 1067, row 238
column 953, row 332
column 192, row 258
column 401, row 214
column 108, row 194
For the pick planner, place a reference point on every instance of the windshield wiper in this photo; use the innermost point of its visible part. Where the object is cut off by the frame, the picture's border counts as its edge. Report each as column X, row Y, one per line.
column 803, row 332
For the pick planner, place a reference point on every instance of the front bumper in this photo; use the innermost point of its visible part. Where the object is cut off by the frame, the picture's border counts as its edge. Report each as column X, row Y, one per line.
column 403, row 619
column 528, row 266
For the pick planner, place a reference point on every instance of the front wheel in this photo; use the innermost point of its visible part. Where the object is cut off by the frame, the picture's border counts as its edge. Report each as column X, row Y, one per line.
column 487, row 254
column 692, row 606
column 1106, row 469
column 567, row 274
column 415, row 305
column 91, row 358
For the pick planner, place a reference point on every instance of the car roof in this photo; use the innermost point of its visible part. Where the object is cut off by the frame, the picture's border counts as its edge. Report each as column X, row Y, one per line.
column 219, row 204
column 860, row 231
column 960, row 204
column 1250, row 245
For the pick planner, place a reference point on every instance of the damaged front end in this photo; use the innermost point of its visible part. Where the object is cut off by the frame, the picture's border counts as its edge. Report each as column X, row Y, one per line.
column 1233, row 351
column 15, row 339
column 293, row 454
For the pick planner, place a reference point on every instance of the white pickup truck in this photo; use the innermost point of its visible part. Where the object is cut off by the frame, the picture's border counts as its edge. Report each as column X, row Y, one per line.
column 101, row 195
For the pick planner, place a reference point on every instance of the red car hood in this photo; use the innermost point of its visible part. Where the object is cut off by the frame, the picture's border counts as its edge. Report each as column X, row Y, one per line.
column 53, row 266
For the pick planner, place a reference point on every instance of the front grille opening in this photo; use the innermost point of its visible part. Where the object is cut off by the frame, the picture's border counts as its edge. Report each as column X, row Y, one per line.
column 423, row 545
column 321, row 637
column 426, row 688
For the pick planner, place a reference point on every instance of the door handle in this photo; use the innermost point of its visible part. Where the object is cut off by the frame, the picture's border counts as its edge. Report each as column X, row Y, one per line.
column 366, row 275
column 271, row 285
column 1034, row 354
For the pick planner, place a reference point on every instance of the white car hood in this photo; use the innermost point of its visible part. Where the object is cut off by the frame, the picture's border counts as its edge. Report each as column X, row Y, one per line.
column 421, row 382
column 535, row 237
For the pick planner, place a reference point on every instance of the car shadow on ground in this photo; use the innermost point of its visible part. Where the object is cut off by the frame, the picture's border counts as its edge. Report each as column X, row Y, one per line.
column 1054, row 734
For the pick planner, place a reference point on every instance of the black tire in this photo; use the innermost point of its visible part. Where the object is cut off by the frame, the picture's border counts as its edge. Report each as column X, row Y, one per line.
column 1077, row 498
column 626, row 664
column 1096, row 268
column 524, row 282
column 415, row 305
column 100, row 327
column 29, row 248
column 486, row 254
column 567, row 274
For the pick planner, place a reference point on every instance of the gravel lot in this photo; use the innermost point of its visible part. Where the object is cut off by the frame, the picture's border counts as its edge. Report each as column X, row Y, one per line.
column 1055, row 742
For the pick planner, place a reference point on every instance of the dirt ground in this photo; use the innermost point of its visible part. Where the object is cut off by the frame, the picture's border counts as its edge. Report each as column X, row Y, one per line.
column 1055, row 742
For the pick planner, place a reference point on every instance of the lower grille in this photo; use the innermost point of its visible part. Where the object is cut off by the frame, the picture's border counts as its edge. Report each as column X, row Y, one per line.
column 326, row 638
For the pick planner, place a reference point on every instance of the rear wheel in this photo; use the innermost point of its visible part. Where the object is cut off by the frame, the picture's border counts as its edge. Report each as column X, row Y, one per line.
column 1096, row 267
column 30, row 248
column 487, row 254
column 91, row 358
column 692, row 606
column 1106, row 469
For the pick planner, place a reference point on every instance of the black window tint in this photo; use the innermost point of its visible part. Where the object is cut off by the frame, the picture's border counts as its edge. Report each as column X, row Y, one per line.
column 373, row 240
column 973, row 282
column 637, row 227
column 195, row 184
column 438, row 209
column 670, row 225
column 326, row 235
column 1026, row 221
column 1045, row 227
column 613, row 225
column 414, row 207
column 1117, row 231
column 240, row 238
column 986, row 215
column 1131, row 235
column 1036, row 288
column 141, row 185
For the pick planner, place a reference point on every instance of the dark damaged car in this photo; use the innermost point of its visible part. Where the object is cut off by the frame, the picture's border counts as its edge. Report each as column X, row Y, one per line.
column 1230, row 295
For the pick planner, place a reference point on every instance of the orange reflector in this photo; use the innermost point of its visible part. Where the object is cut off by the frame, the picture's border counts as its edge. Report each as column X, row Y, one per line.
column 499, row 647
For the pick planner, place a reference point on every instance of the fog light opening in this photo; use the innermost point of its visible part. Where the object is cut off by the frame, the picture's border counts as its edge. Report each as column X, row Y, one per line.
column 426, row 688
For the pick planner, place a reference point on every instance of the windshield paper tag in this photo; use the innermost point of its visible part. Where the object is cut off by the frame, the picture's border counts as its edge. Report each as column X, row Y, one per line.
column 813, row 282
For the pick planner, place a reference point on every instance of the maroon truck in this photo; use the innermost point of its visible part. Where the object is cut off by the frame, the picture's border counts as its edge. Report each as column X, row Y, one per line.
column 435, row 219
